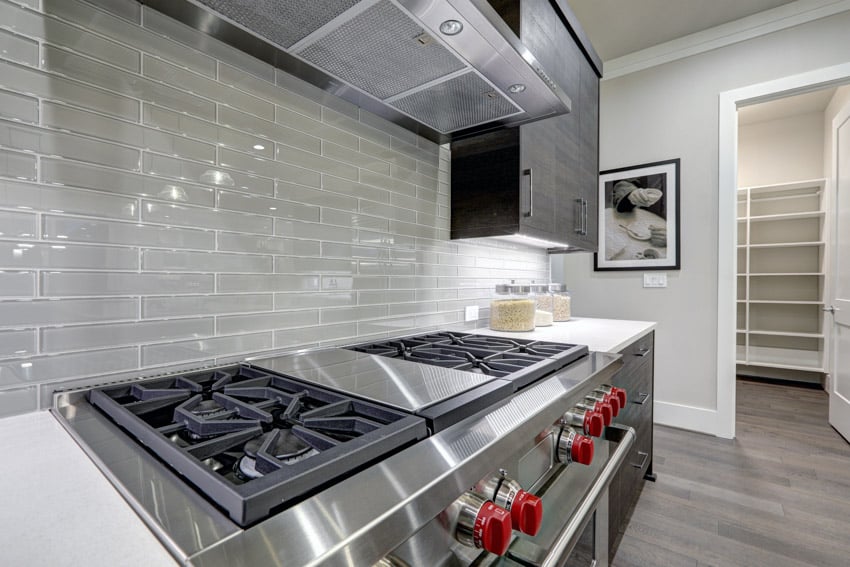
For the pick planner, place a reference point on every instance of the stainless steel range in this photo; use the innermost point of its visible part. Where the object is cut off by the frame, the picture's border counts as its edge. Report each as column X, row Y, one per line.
column 437, row 449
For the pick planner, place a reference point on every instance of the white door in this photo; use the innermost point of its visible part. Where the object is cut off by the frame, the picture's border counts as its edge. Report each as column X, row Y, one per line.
column 839, row 399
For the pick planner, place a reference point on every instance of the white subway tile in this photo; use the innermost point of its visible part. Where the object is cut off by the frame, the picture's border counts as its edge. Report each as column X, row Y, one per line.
column 380, row 297
column 43, row 369
column 300, row 158
column 206, row 218
column 386, row 126
column 17, row 343
column 388, row 183
column 60, row 339
column 303, row 299
column 317, row 197
column 171, row 28
column 176, row 351
column 269, row 168
column 108, row 232
column 184, row 261
column 18, row 48
column 71, row 256
column 236, row 242
column 49, row 142
column 275, row 132
column 58, row 284
column 58, row 32
column 64, row 172
column 415, row 177
column 353, row 189
column 354, row 220
column 65, row 200
column 53, row 87
column 354, row 126
column 128, row 33
column 309, row 335
column 430, row 156
column 334, row 283
column 188, row 305
column 40, row 312
column 67, row 118
column 396, row 326
column 412, row 308
column 314, row 95
column 185, row 125
column 15, row 401
column 194, row 172
column 339, row 250
column 18, row 225
column 383, row 152
column 353, row 314
column 355, row 158
column 17, row 165
column 17, row 284
column 299, row 265
column 296, row 229
column 386, row 268
column 386, row 239
column 277, row 208
column 230, row 324
column 209, row 88
column 131, row 84
column 261, row 282
column 18, row 107
column 317, row 128
column 389, row 212
column 435, row 294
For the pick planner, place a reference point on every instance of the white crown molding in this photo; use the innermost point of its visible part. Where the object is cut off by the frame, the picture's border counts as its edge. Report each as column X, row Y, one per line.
column 783, row 17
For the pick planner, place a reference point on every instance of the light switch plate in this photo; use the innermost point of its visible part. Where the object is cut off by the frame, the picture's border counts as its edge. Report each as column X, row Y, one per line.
column 655, row 280
column 471, row 313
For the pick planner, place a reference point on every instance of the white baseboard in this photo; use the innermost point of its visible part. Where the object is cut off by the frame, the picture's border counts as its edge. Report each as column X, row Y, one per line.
column 686, row 417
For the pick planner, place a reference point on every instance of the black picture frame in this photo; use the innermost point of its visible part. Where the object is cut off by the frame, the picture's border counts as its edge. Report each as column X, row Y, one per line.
column 639, row 224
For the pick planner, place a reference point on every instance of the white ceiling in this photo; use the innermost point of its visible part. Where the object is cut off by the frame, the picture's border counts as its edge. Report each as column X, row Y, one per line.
column 815, row 101
column 619, row 27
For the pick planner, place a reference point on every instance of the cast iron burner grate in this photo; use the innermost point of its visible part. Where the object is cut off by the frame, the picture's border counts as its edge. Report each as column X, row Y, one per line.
column 519, row 360
column 249, row 440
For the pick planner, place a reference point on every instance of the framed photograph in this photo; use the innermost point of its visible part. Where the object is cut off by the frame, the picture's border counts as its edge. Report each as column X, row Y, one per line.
column 639, row 218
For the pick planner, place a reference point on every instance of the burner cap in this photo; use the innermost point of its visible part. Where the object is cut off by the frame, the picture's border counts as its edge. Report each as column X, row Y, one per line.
column 246, row 468
column 207, row 407
column 289, row 447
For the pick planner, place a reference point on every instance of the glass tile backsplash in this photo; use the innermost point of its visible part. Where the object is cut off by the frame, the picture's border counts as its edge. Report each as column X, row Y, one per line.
column 167, row 200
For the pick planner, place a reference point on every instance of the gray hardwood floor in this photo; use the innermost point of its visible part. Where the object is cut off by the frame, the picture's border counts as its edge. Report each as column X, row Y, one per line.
column 778, row 495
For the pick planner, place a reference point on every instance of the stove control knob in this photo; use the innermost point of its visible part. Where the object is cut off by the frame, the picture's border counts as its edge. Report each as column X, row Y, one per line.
column 574, row 447
column 601, row 407
column 591, row 422
column 615, row 391
column 481, row 524
column 526, row 509
column 609, row 399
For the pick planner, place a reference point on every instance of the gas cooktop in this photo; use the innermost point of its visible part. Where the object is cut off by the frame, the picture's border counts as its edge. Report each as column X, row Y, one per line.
column 250, row 440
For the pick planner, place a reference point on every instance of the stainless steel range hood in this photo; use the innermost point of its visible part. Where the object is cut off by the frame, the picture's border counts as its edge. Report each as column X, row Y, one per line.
column 397, row 58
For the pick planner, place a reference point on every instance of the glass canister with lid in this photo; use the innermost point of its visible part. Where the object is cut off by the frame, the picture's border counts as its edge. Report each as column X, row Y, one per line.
column 512, row 308
column 543, row 315
column 561, row 302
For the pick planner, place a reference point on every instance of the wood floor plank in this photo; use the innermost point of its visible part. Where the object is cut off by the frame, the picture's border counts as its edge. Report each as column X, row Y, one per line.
column 778, row 495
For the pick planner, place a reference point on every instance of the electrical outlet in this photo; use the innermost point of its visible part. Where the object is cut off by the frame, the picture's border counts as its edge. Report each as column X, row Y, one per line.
column 471, row 313
column 655, row 280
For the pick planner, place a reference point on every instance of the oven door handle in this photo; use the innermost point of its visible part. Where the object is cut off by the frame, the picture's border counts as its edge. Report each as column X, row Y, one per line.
column 566, row 540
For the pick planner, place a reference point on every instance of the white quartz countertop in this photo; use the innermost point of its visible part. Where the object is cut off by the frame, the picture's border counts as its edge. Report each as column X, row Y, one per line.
column 58, row 509
column 603, row 335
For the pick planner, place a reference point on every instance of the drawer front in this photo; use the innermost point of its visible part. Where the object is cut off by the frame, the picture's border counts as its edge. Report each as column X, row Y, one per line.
column 638, row 353
column 636, row 465
column 638, row 386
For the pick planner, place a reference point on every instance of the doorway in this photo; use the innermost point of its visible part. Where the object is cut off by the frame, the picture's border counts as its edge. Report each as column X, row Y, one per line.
column 727, row 296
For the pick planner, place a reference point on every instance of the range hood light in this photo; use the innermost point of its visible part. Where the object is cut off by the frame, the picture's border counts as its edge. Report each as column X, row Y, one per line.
column 516, row 88
column 451, row 27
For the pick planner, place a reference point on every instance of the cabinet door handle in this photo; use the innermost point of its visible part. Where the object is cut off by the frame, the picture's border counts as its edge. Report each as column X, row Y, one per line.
column 584, row 217
column 643, row 352
column 643, row 460
column 530, row 175
column 577, row 220
column 643, row 399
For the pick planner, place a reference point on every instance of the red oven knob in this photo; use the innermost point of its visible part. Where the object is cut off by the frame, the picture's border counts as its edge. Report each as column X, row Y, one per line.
column 526, row 509
column 603, row 408
column 591, row 422
column 609, row 399
column 615, row 391
column 481, row 524
column 574, row 447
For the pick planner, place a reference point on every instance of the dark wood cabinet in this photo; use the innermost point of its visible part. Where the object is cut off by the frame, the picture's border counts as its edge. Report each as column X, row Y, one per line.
column 637, row 378
column 538, row 179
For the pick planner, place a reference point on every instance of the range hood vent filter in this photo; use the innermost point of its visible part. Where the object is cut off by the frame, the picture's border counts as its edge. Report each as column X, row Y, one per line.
column 465, row 100
column 379, row 52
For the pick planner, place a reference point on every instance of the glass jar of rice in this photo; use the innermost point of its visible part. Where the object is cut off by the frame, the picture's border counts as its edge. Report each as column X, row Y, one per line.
column 560, row 302
column 513, row 308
